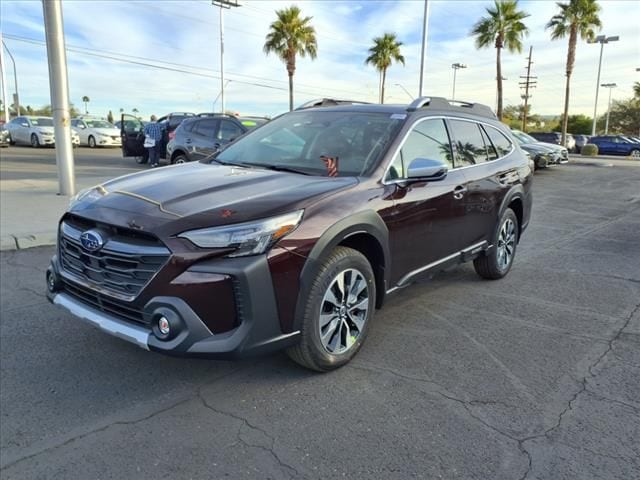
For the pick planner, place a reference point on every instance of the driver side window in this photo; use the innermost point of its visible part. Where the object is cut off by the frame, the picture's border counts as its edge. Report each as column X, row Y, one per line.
column 428, row 139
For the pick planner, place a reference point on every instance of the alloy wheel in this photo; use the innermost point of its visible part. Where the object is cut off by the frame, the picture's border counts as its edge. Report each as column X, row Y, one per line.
column 506, row 243
column 344, row 311
column 635, row 153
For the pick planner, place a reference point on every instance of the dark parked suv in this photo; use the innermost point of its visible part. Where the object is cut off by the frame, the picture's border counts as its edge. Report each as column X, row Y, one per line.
column 202, row 136
column 294, row 234
column 131, row 132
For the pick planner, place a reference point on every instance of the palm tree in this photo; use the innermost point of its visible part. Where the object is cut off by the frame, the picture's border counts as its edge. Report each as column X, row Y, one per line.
column 636, row 89
column 291, row 35
column 503, row 28
column 385, row 50
column 86, row 100
column 578, row 17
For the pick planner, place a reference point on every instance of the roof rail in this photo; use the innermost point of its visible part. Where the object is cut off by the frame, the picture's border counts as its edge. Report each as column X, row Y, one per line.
column 215, row 114
column 442, row 103
column 329, row 102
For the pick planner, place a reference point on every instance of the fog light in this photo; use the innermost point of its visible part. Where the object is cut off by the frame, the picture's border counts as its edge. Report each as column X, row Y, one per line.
column 163, row 326
column 52, row 283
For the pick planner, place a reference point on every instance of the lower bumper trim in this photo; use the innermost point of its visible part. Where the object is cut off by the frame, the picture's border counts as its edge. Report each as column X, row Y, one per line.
column 104, row 321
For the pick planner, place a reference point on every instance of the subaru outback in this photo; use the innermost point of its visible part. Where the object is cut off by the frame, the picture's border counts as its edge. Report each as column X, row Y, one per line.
column 292, row 236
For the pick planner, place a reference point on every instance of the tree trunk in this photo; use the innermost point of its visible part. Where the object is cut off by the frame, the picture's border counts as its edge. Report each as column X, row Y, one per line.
column 291, row 68
column 384, row 77
column 571, row 58
column 499, row 80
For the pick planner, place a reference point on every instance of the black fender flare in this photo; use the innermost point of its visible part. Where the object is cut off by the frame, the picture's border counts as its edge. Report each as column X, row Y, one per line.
column 515, row 193
column 367, row 221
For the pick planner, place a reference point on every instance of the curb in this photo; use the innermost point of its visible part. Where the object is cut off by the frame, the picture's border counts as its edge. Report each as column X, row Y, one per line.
column 22, row 242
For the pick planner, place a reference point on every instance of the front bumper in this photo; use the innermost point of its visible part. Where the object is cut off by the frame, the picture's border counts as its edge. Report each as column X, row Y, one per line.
column 258, row 332
column 108, row 141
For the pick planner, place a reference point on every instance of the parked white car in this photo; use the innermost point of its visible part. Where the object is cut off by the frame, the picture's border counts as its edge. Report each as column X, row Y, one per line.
column 96, row 132
column 35, row 131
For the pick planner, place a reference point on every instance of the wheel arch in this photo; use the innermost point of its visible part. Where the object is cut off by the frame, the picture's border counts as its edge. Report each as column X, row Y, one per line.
column 365, row 232
column 515, row 201
column 177, row 152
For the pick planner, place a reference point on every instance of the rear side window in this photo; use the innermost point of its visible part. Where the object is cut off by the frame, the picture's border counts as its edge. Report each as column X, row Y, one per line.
column 501, row 143
column 428, row 139
column 207, row 128
column 491, row 151
column 186, row 126
column 470, row 148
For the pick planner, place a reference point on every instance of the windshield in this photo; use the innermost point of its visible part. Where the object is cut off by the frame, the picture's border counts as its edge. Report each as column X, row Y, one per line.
column 327, row 143
column 523, row 137
column 42, row 122
column 98, row 124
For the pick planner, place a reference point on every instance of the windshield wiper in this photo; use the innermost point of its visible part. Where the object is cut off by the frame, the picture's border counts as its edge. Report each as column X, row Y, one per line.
column 277, row 168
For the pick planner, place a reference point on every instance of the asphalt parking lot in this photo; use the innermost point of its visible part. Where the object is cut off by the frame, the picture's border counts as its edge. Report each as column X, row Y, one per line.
column 534, row 376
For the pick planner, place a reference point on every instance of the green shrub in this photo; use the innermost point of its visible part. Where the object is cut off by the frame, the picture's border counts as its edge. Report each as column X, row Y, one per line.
column 589, row 150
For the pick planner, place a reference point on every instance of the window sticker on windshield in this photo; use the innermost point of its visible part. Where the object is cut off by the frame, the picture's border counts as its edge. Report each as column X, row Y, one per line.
column 398, row 116
column 248, row 123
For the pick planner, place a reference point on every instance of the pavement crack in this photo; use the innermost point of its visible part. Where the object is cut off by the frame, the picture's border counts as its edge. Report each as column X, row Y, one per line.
column 94, row 431
column 291, row 470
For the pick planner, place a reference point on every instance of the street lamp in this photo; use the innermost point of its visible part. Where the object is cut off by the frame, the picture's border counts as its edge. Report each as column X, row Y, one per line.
column 223, row 4
column 406, row 91
column 456, row 67
column 610, row 86
column 601, row 39
column 16, row 99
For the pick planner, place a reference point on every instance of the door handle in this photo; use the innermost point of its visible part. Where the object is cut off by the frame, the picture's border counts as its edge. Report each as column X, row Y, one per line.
column 188, row 141
column 459, row 192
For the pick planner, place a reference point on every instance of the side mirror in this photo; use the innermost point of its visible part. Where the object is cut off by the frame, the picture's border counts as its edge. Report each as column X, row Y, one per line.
column 426, row 169
column 24, row 124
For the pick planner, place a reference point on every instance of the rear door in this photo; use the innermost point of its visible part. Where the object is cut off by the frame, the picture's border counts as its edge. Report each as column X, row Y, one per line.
column 131, row 132
column 203, row 136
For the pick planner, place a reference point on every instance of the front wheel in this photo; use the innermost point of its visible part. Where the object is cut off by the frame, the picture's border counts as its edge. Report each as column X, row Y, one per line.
column 337, row 312
column 35, row 142
column 635, row 154
column 92, row 142
column 497, row 262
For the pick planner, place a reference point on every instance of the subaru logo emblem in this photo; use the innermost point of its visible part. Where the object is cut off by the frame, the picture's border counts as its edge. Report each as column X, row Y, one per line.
column 91, row 240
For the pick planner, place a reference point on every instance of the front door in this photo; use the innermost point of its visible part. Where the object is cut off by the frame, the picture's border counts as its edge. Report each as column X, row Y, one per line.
column 131, row 132
column 204, row 138
column 427, row 222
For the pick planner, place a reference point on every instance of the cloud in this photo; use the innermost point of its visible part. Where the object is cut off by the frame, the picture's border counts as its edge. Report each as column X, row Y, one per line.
column 185, row 32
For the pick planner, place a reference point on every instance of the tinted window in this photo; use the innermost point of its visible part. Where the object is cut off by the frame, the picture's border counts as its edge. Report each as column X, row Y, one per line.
column 186, row 126
column 228, row 131
column 469, row 143
column 207, row 128
column 491, row 151
column 175, row 120
column 501, row 143
column 428, row 139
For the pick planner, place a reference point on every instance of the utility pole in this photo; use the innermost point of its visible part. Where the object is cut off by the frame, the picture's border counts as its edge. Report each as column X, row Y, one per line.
column 529, row 82
column 5, row 105
column 425, row 37
column 223, row 4
column 59, row 85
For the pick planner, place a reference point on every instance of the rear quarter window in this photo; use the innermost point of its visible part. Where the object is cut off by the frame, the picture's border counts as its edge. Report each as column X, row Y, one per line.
column 500, row 141
column 470, row 147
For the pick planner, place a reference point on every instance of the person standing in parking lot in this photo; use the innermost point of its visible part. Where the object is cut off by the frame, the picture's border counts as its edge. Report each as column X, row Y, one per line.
column 153, row 140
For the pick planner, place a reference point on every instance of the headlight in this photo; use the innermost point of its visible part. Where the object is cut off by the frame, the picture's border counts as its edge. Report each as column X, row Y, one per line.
column 251, row 238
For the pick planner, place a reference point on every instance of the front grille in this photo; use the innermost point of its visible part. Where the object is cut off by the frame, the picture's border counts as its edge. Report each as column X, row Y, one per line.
column 122, row 267
column 103, row 303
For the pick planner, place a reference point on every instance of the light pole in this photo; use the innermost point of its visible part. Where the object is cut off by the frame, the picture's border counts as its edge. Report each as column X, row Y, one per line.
column 456, row 67
column 223, row 4
column 5, row 105
column 601, row 39
column 405, row 90
column 16, row 100
column 425, row 37
column 610, row 86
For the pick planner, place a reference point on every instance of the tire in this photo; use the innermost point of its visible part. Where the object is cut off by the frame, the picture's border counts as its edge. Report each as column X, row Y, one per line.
column 330, row 340
column 498, row 261
column 35, row 143
column 91, row 141
column 11, row 142
column 179, row 159
column 635, row 153
column 142, row 159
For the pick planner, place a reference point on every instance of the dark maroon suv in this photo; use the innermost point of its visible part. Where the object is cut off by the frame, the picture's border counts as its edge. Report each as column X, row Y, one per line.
column 294, row 235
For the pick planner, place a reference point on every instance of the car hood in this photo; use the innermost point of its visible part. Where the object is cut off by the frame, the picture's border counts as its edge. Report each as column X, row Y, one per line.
column 535, row 147
column 172, row 199
column 552, row 146
column 44, row 129
column 107, row 131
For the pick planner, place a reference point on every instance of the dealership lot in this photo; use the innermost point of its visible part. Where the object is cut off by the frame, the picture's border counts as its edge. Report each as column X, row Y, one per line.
column 533, row 376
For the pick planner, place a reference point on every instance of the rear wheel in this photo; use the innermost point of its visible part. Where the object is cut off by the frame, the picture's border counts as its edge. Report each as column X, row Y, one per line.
column 497, row 262
column 35, row 142
column 178, row 159
column 142, row 159
column 92, row 142
column 337, row 313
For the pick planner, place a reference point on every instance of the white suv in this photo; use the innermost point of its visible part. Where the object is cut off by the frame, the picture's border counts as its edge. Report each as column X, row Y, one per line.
column 95, row 132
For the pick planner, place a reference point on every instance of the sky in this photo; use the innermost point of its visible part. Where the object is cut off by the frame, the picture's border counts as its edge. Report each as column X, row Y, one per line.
column 182, row 36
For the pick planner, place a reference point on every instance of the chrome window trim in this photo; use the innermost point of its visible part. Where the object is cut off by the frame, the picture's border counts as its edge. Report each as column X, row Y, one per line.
column 440, row 117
